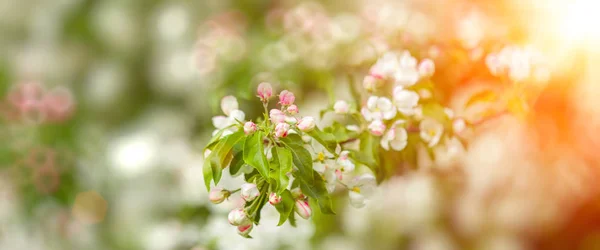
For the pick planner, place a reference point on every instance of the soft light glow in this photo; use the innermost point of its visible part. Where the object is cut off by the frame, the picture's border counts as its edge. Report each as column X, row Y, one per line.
column 579, row 21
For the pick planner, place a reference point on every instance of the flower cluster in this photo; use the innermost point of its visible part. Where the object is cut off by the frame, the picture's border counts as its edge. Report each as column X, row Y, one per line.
column 271, row 153
column 387, row 117
column 520, row 63
column 286, row 158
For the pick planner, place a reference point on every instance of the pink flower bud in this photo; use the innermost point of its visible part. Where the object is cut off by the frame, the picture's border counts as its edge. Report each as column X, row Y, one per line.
column 426, row 68
column 249, row 191
column 303, row 209
column 281, row 130
column 274, row 199
column 228, row 104
column 459, row 125
column 249, row 127
column 306, row 124
column 377, row 128
column 238, row 217
column 286, row 98
column 292, row 109
column 218, row 195
column 265, row 91
column 245, row 230
column 277, row 116
column 341, row 107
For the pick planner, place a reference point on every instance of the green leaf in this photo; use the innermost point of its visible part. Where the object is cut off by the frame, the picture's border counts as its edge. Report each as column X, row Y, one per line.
column 254, row 154
column 207, row 172
column 285, row 207
column 326, row 139
column 369, row 146
column 340, row 133
column 221, row 154
column 213, row 141
column 292, row 218
column 283, row 159
column 316, row 189
column 238, row 157
column 300, row 156
column 263, row 198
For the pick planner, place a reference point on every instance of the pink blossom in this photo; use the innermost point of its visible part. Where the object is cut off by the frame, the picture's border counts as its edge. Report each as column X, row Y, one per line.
column 286, row 98
column 249, row 127
column 281, row 130
column 265, row 91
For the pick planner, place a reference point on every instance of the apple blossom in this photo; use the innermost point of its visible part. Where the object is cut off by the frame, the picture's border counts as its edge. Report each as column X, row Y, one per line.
column 281, row 130
column 277, row 116
column 378, row 108
column 218, row 195
column 249, row 191
column 244, row 230
column 405, row 100
column 396, row 138
column 303, row 209
column 386, row 66
column 274, row 199
column 377, row 127
column 238, row 217
column 306, row 124
column 361, row 187
column 292, row 109
column 286, row 98
column 346, row 165
column 426, row 68
column 264, row 91
column 431, row 131
column 228, row 104
column 249, row 127
column 341, row 107
column 407, row 73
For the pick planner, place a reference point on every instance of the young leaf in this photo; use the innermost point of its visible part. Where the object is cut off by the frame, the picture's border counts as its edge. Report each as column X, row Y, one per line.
column 214, row 140
column 292, row 218
column 300, row 156
column 262, row 200
column 254, row 154
column 283, row 159
column 221, row 154
column 317, row 190
column 207, row 172
column 285, row 207
column 238, row 157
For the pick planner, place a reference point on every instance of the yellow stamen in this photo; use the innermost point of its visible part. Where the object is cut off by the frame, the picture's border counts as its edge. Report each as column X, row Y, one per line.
column 321, row 156
column 356, row 189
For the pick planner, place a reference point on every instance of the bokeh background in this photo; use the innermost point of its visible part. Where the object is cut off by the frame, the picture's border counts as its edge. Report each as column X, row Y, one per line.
column 106, row 105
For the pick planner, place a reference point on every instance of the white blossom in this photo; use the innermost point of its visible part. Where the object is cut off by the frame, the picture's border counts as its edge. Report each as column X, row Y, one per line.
column 378, row 108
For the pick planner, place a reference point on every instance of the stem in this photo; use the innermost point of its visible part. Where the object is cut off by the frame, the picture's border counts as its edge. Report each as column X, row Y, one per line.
column 266, row 114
